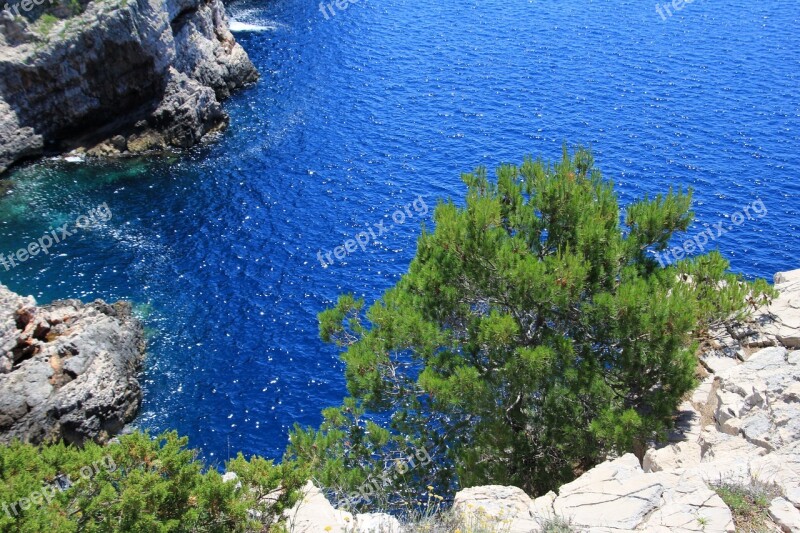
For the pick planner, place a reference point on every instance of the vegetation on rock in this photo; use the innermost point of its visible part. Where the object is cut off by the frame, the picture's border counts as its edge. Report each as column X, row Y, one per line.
column 533, row 334
column 137, row 484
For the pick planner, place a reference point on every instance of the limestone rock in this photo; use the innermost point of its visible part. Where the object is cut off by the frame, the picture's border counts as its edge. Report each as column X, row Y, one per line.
column 509, row 506
column 313, row 513
column 785, row 515
column 150, row 70
column 376, row 523
column 780, row 469
column 687, row 504
column 681, row 455
column 718, row 363
column 615, row 494
column 687, row 423
column 68, row 369
column 542, row 508
column 778, row 323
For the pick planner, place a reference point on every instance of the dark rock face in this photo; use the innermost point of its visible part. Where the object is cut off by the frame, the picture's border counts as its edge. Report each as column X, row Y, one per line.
column 141, row 69
column 67, row 370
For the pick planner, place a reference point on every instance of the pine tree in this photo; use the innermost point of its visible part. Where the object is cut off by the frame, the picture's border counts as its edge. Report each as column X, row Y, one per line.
column 533, row 333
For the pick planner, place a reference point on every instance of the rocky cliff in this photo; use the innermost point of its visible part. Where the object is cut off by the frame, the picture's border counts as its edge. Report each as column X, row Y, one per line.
column 740, row 428
column 123, row 76
column 67, row 370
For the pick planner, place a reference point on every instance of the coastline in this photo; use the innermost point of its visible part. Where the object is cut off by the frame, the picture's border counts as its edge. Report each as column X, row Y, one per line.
column 117, row 79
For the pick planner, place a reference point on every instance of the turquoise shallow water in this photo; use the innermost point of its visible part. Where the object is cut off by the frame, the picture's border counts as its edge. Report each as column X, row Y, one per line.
column 357, row 116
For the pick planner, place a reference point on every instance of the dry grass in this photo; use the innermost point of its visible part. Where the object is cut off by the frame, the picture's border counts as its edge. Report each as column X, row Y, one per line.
column 749, row 506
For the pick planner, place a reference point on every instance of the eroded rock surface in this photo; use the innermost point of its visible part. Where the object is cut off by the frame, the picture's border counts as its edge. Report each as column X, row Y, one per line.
column 67, row 370
column 741, row 426
column 121, row 77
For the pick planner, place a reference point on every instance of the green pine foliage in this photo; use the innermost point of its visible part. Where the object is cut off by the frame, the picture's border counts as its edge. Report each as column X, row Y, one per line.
column 137, row 484
column 533, row 334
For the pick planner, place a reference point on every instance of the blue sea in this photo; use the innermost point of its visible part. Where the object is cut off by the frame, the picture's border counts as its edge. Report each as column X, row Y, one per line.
column 361, row 114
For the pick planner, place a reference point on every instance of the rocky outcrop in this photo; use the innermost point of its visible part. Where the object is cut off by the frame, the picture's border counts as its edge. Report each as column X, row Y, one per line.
column 740, row 427
column 124, row 76
column 313, row 513
column 67, row 370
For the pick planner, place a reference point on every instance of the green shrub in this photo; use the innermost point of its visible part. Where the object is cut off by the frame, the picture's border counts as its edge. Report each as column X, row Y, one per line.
column 137, row 484
column 533, row 333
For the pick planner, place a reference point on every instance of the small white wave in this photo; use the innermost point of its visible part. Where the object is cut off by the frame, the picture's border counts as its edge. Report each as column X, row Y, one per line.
column 236, row 26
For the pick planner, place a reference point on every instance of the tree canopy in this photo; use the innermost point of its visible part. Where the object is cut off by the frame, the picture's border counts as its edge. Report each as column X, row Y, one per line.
column 533, row 334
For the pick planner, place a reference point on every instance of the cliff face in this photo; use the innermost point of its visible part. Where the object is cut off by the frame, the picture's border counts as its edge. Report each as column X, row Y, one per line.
column 123, row 76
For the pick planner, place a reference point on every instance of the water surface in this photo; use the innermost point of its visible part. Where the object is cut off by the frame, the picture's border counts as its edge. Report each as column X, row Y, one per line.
column 358, row 115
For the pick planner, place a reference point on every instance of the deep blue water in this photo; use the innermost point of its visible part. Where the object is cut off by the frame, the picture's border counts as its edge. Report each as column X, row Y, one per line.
column 358, row 115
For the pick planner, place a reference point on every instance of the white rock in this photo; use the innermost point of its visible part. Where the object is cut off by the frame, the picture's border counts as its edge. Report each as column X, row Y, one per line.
column 786, row 308
column 509, row 506
column 757, row 429
column 792, row 392
column 615, row 494
column 719, row 363
column 729, row 405
column 785, row 277
column 785, row 515
column 681, row 455
column 231, row 476
column 313, row 513
column 701, row 394
column 542, row 508
column 780, row 469
column 376, row 523
column 732, row 426
column 687, row 424
column 721, row 447
column 687, row 504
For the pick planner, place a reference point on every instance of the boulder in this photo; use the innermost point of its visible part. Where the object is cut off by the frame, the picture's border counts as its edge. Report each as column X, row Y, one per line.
column 376, row 523
column 688, row 504
column 313, row 513
column 509, row 506
column 780, row 469
column 68, row 370
column 680, row 455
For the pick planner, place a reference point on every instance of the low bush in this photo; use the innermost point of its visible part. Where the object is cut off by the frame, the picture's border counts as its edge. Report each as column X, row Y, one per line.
column 138, row 484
